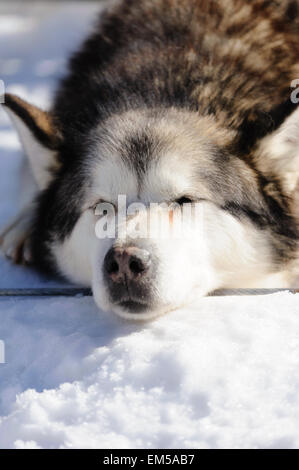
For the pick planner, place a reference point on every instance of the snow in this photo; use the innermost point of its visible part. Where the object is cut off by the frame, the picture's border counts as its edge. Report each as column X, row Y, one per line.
column 222, row 373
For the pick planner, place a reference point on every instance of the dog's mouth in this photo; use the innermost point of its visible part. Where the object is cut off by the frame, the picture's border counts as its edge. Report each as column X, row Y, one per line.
column 133, row 306
column 134, row 310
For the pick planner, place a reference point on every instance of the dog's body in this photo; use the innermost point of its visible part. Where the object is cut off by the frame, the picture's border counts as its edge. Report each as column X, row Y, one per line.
column 170, row 100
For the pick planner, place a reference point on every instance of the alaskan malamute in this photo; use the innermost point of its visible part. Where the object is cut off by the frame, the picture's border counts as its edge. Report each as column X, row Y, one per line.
column 170, row 107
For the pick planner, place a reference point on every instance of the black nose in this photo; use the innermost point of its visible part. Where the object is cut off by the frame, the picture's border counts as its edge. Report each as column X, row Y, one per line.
column 126, row 264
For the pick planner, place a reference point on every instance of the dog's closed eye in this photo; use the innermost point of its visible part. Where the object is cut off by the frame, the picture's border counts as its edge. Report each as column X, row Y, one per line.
column 184, row 200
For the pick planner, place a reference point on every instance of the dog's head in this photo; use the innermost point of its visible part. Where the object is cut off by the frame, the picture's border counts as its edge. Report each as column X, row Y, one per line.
column 153, row 207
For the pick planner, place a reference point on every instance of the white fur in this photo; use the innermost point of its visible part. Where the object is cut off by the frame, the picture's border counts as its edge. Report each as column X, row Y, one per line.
column 279, row 152
column 221, row 251
column 74, row 256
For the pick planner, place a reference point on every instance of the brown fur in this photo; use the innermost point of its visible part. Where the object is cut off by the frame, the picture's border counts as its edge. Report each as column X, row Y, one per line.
column 247, row 52
column 230, row 61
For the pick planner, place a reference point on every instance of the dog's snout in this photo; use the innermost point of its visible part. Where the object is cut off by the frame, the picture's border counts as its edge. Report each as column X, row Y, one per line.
column 126, row 263
column 129, row 275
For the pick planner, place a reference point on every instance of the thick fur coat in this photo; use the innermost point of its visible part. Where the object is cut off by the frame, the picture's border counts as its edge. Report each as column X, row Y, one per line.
column 212, row 80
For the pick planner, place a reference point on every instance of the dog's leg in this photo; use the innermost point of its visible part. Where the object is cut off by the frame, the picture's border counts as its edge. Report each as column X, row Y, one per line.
column 15, row 238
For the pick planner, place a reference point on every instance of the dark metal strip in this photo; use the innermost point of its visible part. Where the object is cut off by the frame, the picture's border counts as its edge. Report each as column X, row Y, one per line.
column 85, row 292
column 46, row 292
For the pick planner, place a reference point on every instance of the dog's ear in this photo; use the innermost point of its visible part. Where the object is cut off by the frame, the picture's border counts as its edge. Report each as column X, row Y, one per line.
column 278, row 154
column 38, row 134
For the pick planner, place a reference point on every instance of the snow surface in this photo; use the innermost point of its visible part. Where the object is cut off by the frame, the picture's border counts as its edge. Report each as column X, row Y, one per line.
column 221, row 373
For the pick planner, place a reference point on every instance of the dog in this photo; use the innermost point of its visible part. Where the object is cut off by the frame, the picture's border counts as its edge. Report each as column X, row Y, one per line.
column 186, row 103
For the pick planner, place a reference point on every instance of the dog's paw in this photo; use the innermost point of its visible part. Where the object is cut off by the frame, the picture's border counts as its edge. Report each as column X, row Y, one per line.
column 15, row 240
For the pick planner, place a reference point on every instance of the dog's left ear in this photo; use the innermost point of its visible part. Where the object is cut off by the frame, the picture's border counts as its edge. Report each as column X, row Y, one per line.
column 278, row 154
column 38, row 134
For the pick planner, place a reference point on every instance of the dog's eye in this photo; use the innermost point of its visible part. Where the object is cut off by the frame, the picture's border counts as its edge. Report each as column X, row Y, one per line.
column 184, row 200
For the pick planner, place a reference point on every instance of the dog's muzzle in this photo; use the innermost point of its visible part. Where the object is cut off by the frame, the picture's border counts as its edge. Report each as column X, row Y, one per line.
column 128, row 273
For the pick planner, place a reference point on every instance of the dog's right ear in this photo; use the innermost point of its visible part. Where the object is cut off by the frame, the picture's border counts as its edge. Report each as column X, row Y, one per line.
column 38, row 134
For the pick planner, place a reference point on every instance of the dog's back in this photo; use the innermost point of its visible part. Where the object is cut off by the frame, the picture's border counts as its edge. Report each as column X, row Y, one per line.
column 230, row 58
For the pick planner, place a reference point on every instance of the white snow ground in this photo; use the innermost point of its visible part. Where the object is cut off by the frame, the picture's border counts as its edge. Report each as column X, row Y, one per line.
column 222, row 373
